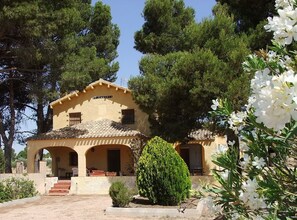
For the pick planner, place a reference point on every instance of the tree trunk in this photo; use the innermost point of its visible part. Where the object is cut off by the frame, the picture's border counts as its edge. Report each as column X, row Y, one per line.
column 8, row 137
column 44, row 121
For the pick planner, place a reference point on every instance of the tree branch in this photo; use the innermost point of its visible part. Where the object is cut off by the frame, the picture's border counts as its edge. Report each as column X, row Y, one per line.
column 29, row 106
column 24, row 132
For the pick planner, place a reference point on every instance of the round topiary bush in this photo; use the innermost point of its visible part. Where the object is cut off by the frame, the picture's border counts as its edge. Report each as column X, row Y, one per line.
column 119, row 194
column 162, row 176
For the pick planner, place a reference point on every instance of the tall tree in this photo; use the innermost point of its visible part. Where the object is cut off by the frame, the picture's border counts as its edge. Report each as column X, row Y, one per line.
column 176, row 89
column 164, row 26
column 94, row 53
column 52, row 45
column 250, row 16
column 14, row 38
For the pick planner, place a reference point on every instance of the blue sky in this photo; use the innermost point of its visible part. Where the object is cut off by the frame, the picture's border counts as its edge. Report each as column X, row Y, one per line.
column 127, row 15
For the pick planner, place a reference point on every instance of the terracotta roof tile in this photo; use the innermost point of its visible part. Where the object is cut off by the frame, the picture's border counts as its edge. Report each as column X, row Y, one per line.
column 89, row 129
column 201, row 134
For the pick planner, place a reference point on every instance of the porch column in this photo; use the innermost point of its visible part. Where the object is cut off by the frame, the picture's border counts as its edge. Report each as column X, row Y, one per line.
column 30, row 159
column 81, row 164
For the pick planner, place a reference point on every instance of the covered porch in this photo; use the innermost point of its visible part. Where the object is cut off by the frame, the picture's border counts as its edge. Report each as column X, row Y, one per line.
column 95, row 148
column 197, row 152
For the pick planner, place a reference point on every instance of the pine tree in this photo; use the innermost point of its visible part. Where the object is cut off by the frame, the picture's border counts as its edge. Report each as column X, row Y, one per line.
column 250, row 17
column 176, row 88
column 48, row 47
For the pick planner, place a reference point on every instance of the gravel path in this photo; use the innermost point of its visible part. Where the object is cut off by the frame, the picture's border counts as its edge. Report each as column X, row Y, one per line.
column 63, row 208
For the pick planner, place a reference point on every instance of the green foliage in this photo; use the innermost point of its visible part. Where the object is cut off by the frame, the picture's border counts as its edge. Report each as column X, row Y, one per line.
column 250, row 16
column 119, row 194
column 92, row 54
column 164, row 26
column 276, row 178
column 3, row 194
column 162, row 176
column 48, row 48
column 2, row 161
column 16, row 188
column 176, row 87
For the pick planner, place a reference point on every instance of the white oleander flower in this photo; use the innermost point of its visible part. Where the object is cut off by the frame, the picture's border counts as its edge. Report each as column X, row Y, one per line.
column 250, row 186
column 259, row 163
column 208, row 201
column 274, row 98
column 283, row 26
column 221, row 149
column 231, row 143
column 235, row 216
column 225, row 174
column 283, row 3
column 215, row 104
column 261, row 79
column 250, row 197
column 236, row 121
column 243, row 147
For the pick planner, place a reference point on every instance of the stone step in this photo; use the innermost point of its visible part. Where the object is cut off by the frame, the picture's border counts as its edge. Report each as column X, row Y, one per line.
column 61, row 188
column 53, row 190
column 62, row 182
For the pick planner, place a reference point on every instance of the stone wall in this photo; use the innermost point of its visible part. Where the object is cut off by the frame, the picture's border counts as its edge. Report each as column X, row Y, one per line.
column 38, row 178
column 100, row 185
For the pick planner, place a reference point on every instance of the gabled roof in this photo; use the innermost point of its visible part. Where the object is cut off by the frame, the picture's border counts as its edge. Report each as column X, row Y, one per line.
column 90, row 129
column 91, row 86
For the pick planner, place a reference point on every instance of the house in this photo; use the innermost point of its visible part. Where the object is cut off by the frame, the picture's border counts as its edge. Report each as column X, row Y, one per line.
column 93, row 132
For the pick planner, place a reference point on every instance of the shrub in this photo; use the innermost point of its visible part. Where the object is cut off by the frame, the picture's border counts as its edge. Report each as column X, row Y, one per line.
column 119, row 194
column 3, row 193
column 2, row 161
column 162, row 176
column 18, row 188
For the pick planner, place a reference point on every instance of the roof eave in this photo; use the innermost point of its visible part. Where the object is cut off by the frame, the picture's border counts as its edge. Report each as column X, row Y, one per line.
column 91, row 86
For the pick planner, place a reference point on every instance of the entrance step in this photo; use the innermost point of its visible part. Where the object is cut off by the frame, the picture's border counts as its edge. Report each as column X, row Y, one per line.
column 61, row 188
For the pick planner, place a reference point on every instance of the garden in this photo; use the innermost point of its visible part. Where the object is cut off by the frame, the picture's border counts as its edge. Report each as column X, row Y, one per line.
column 16, row 188
column 257, row 172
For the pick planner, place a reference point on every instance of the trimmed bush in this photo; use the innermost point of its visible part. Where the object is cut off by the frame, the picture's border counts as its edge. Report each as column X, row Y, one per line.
column 119, row 194
column 162, row 175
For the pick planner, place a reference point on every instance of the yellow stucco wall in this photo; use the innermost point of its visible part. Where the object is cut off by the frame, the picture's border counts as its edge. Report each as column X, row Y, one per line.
column 86, row 158
column 100, row 108
column 110, row 100
column 98, row 157
column 208, row 148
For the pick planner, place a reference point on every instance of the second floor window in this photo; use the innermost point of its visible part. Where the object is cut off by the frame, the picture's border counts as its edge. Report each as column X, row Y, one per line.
column 74, row 118
column 128, row 116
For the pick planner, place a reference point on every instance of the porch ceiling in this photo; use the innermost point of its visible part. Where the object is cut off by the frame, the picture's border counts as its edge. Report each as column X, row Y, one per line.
column 92, row 129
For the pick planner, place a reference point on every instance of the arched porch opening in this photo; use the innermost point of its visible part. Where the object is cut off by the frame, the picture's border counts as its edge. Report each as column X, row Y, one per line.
column 193, row 155
column 63, row 159
column 109, row 160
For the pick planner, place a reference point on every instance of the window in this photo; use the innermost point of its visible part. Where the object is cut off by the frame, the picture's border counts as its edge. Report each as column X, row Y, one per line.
column 73, row 160
column 128, row 116
column 74, row 118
